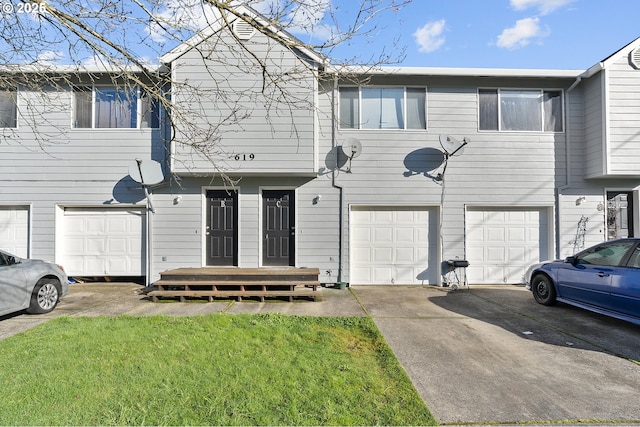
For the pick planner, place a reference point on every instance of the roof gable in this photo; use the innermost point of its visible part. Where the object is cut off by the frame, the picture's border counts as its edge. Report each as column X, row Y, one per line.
column 613, row 58
column 249, row 15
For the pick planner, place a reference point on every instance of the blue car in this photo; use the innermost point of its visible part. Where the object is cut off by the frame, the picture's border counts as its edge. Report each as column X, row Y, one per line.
column 604, row 278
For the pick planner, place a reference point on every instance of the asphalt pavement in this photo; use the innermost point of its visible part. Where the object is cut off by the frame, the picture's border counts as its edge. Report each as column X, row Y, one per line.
column 482, row 355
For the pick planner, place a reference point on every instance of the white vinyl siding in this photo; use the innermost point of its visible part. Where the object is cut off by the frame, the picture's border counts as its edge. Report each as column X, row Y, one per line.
column 623, row 119
column 383, row 108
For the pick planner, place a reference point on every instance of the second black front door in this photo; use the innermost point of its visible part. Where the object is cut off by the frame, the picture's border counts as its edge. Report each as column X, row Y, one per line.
column 222, row 228
column 278, row 230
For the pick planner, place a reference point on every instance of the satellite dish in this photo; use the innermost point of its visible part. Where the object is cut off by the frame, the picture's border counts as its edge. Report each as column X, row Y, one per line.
column 452, row 146
column 147, row 172
column 352, row 148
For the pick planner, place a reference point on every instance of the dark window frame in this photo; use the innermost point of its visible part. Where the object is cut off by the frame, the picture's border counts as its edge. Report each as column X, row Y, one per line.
column 409, row 114
column 510, row 110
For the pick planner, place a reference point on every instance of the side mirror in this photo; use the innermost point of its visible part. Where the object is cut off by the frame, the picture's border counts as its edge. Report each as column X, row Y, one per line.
column 571, row 260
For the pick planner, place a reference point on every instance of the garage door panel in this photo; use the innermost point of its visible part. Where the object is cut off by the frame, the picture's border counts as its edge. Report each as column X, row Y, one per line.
column 363, row 274
column 383, row 235
column 14, row 230
column 362, row 255
column 382, row 217
column 382, row 275
column 103, row 242
column 517, row 234
column 400, row 247
column 405, row 274
column 94, row 226
column 382, row 255
column 502, row 242
column 361, row 235
column 518, row 255
column 405, row 255
column 407, row 234
column 495, row 234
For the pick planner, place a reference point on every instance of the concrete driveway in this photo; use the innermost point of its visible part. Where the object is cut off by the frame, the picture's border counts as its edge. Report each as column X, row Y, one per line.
column 484, row 355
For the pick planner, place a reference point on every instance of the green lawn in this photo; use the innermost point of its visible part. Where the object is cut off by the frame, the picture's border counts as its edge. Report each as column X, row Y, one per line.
column 218, row 369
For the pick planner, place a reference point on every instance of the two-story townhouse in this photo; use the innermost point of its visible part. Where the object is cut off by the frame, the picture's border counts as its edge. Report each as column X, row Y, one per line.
column 70, row 136
column 598, row 196
column 279, row 160
column 486, row 165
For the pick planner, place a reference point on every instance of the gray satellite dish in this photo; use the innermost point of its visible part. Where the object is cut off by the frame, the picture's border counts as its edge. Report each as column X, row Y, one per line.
column 147, row 172
column 352, row 148
column 452, row 146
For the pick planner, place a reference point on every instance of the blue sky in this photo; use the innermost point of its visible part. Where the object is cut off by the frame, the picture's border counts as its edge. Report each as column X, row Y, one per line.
column 535, row 34
column 547, row 34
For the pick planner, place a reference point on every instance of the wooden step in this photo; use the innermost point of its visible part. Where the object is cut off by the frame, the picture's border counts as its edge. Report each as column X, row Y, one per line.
column 225, row 282
column 164, row 283
column 182, row 294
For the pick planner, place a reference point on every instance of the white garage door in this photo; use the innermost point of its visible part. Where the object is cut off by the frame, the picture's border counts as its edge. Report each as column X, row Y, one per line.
column 103, row 242
column 503, row 242
column 14, row 230
column 393, row 245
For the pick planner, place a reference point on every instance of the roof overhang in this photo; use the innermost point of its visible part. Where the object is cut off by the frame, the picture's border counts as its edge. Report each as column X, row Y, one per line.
column 80, row 69
column 456, row 72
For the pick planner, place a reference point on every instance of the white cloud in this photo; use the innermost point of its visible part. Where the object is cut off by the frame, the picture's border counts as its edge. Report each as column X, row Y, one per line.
column 50, row 57
column 191, row 15
column 521, row 33
column 429, row 37
column 303, row 18
column 543, row 6
column 95, row 61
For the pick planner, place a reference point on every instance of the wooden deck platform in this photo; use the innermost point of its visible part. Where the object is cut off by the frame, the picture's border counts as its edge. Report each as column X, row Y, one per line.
column 239, row 283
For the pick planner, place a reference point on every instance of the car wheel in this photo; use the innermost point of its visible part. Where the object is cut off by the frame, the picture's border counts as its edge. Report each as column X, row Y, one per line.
column 44, row 297
column 543, row 290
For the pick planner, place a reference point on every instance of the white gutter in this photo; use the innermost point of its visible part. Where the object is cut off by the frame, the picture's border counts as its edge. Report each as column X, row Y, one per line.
column 455, row 72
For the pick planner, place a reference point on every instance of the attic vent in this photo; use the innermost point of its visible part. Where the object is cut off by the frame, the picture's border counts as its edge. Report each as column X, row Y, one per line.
column 634, row 58
column 243, row 29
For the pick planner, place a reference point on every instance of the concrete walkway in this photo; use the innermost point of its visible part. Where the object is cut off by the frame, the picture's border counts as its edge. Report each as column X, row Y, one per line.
column 485, row 355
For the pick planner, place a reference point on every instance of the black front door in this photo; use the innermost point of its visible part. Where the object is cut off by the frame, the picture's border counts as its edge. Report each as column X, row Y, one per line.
column 278, row 240
column 222, row 228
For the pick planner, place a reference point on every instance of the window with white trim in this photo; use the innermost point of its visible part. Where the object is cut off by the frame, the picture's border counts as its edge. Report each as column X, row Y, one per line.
column 383, row 108
column 520, row 110
column 8, row 108
column 115, row 108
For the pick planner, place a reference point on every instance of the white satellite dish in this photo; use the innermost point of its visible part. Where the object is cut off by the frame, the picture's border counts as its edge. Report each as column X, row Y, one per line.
column 146, row 172
column 352, row 148
column 452, row 146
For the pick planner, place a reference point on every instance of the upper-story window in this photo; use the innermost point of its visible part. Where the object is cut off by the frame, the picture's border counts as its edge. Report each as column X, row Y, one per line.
column 383, row 108
column 8, row 108
column 520, row 110
column 114, row 107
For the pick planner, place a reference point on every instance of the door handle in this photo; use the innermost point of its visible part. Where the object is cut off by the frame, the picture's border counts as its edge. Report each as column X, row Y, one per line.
column 603, row 274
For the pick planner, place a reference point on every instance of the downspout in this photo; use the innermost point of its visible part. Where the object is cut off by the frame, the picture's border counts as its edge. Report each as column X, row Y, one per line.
column 149, row 211
column 567, row 167
column 334, row 176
